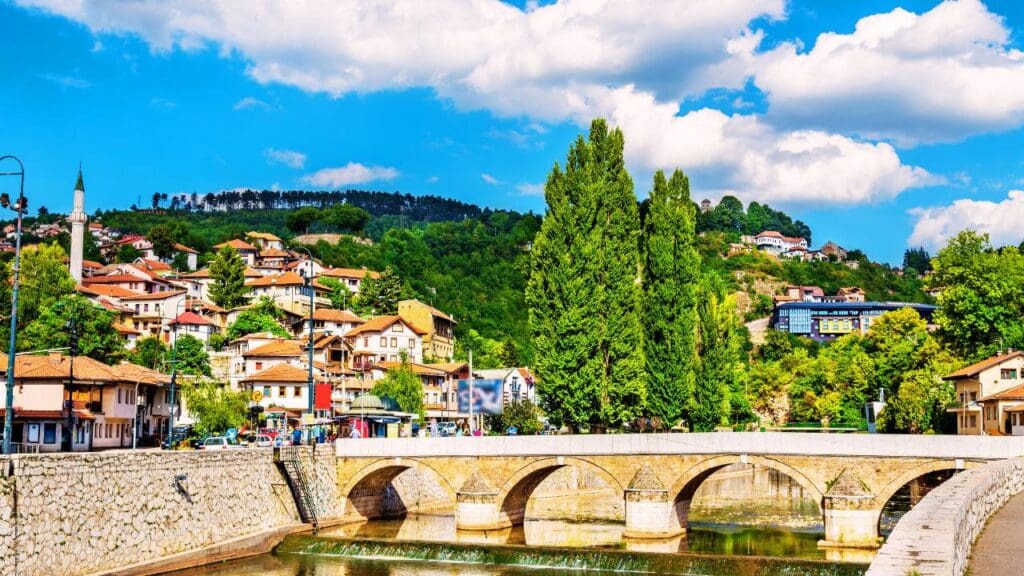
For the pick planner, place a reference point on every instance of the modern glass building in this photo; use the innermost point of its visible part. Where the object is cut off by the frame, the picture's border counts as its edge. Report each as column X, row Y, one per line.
column 825, row 321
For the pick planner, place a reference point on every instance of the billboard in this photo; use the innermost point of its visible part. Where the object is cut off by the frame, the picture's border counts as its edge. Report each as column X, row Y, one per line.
column 487, row 396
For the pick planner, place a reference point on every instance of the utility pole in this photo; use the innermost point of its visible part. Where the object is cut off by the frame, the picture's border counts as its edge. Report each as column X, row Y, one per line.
column 19, row 206
column 471, row 397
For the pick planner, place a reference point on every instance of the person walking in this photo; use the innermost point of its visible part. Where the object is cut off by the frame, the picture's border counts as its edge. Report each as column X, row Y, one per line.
column 296, row 437
column 355, row 433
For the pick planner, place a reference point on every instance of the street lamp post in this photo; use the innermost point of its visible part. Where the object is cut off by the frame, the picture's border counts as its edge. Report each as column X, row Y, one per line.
column 174, row 374
column 19, row 207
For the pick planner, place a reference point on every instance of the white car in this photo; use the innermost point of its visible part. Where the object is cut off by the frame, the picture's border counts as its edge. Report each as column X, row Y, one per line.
column 218, row 443
column 262, row 441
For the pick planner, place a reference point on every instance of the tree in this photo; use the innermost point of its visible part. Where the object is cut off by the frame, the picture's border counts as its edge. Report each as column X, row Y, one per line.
column 228, row 273
column 298, row 221
column 981, row 304
column 126, row 254
column 345, row 217
column 180, row 262
column 671, row 282
column 719, row 350
column 149, row 352
column 402, row 385
column 918, row 259
column 380, row 295
column 338, row 293
column 44, row 280
column 583, row 293
column 190, row 355
column 523, row 414
column 215, row 407
column 253, row 322
column 75, row 317
column 163, row 242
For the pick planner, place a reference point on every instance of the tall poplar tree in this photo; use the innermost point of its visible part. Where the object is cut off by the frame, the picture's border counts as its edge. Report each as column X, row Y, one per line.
column 584, row 291
column 719, row 350
column 671, row 284
column 228, row 273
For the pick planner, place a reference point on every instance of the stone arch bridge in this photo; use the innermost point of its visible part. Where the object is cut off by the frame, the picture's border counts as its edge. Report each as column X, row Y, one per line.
column 488, row 481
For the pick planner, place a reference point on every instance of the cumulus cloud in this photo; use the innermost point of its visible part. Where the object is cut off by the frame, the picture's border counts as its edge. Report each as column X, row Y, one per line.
column 937, row 76
column 490, row 179
column 289, row 158
column 571, row 60
column 250, row 103
column 351, row 173
column 1000, row 220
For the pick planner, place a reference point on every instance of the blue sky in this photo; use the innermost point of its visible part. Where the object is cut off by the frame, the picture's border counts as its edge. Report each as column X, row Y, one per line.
column 879, row 123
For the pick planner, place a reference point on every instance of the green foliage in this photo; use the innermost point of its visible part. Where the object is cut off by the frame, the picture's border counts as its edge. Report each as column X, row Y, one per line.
column 729, row 217
column 44, row 279
column 71, row 316
column 671, row 283
column 190, row 355
column 402, row 385
column 149, row 352
column 720, row 350
column 227, row 270
column 254, row 320
column 917, row 259
column 217, row 341
column 523, row 414
column 180, row 262
column 982, row 295
column 215, row 407
column 338, row 293
column 163, row 241
column 345, row 218
column 299, row 220
column 583, row 295
column 487, row 353
column 126, row 254
column 380, row 296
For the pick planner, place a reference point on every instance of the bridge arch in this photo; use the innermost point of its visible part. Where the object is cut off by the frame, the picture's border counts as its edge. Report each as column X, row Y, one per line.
column 920, row 471
column 685, row 487
column 365, row 491
column 515, row 493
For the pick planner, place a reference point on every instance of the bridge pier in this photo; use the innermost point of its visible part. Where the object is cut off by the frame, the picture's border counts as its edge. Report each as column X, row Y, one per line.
column 478, row 506
column 650, row 512
column 850, row 514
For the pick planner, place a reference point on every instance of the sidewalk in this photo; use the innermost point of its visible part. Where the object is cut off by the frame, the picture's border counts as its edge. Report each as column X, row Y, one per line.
column 1000, row 548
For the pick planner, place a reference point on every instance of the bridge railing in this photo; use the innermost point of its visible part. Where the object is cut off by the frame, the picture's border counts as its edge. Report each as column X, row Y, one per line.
column 761, row 443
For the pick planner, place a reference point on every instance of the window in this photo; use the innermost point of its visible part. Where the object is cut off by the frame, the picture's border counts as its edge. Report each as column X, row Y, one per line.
column 397, row 327
column 118, row 395
column 281, row 391
column 394, row 342
column 383, row 342
column 33, row 432
column 1008, row 374
column 259, row 366
column 266, row 391
column 50, row 433
column 366, row 342
column 972, row 421
column 298, row 391
column 412, row 343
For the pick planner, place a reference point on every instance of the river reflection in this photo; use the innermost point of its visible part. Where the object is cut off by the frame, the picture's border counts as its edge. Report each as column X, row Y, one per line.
column 704, row 538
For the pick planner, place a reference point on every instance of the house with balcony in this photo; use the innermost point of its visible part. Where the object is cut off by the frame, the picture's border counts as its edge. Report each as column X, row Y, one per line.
column 384, row 339
column 438, row 328
column 154, row 312
column 284, row 393
column 77, row 404
column 775, row 243
column 289, row 292
column 990, row 395
column 327, row 320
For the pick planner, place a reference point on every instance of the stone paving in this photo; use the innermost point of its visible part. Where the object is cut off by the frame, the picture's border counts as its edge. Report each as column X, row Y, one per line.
column 1000, row 548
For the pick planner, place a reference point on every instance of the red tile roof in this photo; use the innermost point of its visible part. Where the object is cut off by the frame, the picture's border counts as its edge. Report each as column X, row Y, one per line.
column 280, row 373
column 978, row 367
column 285, row 279
column 359, row 273
column 191, row 318
column 278, row 348
column 239, row 245
column 1016, row 393
column 381, row 323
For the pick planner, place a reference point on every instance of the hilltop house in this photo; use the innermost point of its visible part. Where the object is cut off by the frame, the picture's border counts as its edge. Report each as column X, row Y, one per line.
column 287, row 291
column 247, row 251
column 351, row 278
column 775, row 243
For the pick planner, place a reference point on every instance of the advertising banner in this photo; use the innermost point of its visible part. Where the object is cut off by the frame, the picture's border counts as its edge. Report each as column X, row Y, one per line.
column 487, row 396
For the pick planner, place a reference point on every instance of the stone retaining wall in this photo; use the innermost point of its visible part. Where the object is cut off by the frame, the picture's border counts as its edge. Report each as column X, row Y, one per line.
column 76, row 514
column 936, row 536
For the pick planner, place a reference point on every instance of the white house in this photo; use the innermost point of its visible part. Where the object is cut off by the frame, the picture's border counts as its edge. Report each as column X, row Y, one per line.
column 194, row 325
column 775, row 243
column 384, row 339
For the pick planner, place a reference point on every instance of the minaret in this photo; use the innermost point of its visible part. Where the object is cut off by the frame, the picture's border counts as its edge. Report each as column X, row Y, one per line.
column 77, row 219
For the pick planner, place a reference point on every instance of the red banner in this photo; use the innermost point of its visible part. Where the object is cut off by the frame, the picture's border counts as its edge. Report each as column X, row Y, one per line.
column 322, row 396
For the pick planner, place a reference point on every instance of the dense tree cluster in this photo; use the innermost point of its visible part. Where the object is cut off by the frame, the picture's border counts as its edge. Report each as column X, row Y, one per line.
column 729, row 216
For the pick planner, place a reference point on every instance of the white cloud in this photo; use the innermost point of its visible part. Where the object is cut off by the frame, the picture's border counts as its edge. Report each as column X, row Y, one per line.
column 351, row 173
column 67, row 81
column 250, row 103
column 433, row 179
column 162, row 103
column 528, row 189
column 1001, row 220
column 631, row 62
column 289, row 158
column 938, row 76
column 490, row 179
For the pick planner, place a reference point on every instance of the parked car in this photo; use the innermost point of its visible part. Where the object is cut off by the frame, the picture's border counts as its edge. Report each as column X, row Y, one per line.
column 218, row 443
column 446, row 428
column 262, row 441
column 179, row 435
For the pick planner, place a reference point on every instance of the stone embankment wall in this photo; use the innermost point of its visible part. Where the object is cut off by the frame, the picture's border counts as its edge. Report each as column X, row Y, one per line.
column 936, row 536
column 76, row 514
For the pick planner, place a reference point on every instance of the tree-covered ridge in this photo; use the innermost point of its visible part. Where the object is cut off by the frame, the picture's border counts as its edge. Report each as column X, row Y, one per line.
column 730, row 217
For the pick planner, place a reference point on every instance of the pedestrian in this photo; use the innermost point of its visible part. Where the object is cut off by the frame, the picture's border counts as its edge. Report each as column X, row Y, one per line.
column 297, row 437
column 355, row 433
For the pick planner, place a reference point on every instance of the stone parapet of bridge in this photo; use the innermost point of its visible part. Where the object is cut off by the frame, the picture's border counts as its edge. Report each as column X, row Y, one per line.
column 488, row 481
